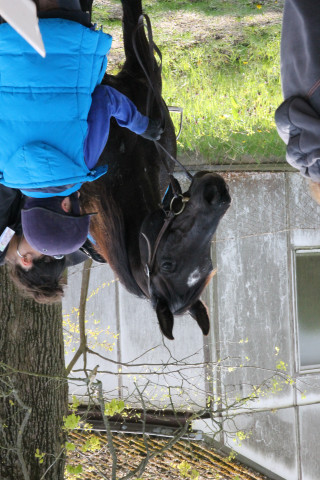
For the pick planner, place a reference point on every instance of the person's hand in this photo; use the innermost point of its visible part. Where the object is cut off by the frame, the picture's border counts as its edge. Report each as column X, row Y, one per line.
column 153, row 131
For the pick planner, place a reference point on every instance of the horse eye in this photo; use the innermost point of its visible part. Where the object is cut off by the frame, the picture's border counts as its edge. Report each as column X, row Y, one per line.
column 167, row 266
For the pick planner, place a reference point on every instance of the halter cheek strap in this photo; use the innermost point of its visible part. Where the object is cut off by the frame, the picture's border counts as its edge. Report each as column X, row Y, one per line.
column 168, row 220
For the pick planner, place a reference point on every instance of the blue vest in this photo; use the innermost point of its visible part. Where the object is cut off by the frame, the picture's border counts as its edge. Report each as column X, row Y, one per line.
column 44, row 105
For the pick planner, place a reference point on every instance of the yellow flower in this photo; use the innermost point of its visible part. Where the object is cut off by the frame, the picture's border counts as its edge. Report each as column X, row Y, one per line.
column 259, row 6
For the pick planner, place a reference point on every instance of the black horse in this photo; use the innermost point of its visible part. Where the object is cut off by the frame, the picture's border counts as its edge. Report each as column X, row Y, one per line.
column 169, row 264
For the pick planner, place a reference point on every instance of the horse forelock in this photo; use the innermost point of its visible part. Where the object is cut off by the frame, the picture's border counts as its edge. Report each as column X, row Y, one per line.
column 108, row 231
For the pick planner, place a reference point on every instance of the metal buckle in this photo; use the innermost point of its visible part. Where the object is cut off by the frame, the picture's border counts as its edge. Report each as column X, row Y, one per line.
column 183, row 199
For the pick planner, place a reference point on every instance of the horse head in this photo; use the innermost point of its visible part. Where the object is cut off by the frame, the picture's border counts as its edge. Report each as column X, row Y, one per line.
column 175, row 249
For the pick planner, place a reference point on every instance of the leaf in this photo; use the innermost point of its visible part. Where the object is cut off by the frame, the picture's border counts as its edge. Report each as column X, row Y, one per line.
column 115, row 406
column 39, row 455
column 92, row 444
column 184, row 468
column 194, row 475
column 74, row 470
column 71, row 421
column 241, row 435
column 75, row 402
column 234, row 103
column 235, row 114
column 282, row 366
column 70, row 447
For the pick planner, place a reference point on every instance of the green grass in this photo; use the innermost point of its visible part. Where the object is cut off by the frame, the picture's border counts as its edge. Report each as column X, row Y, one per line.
column 101, row 16
column 228, row 84
column 238, row 8
column 229, row 91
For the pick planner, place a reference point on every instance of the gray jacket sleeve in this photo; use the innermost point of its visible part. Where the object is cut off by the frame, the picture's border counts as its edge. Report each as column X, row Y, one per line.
column 300, row 47
column 298, row 125
column 298, row 118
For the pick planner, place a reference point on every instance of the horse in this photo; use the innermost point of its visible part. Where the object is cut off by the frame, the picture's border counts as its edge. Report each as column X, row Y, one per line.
column 156, row 239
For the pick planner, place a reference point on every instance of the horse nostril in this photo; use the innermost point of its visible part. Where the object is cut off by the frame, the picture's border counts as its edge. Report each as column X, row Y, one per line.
column 211, row 194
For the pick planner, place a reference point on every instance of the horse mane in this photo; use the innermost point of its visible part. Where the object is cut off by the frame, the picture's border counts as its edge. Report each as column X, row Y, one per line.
column 108, row 229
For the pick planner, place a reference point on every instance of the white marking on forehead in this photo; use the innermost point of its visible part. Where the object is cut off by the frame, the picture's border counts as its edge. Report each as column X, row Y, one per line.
column 193, row 278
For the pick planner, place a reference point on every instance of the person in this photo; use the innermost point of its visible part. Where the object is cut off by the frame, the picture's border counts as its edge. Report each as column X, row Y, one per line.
column 54, row 124
column 298, row 117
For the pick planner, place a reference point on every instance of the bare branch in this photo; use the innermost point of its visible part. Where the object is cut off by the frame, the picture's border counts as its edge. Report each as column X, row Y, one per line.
column 82, row 315
column 20, row 434
column 108, row 431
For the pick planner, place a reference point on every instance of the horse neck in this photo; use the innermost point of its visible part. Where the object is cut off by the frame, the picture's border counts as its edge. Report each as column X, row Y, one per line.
column 140, row 197
column 125, row 196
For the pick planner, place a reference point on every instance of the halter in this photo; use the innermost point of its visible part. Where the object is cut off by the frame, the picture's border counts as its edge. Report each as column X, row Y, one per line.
column 170, row 216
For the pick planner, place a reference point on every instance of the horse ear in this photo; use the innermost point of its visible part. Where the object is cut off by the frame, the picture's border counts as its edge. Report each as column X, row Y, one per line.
column 165, row 318
column 168, row 196
column 199, row 312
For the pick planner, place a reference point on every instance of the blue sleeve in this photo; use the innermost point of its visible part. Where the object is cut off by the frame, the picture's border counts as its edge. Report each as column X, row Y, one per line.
column 124, row 111
column 106, row 103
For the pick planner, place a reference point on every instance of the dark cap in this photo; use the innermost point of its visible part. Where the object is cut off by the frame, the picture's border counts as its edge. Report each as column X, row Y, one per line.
column 51, row 231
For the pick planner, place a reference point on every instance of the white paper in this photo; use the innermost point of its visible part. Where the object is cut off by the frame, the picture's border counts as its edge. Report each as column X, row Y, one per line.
column 22, row 16
column 5, row 238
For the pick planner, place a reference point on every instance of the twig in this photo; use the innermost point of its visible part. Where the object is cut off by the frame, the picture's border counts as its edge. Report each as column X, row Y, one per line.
column 82, row 314
column 143, row 464
column 20, row 434
column 176, row 363
column 93, row 464
column 55, row 461
column 108, row 431
column 145, row 441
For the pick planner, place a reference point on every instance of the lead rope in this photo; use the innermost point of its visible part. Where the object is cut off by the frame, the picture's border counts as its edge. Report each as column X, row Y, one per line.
column 149, row 75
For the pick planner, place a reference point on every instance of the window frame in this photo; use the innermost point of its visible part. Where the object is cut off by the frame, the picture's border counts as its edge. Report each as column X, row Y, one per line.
column 301, row 370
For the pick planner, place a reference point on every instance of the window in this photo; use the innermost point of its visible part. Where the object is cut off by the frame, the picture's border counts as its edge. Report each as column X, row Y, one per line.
column 308, row 306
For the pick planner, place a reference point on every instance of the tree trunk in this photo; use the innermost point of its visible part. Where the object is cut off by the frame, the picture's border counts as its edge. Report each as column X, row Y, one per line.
column 33, row 388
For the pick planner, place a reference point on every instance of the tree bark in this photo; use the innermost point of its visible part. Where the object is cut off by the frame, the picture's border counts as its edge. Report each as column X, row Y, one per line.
column 33, row 387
